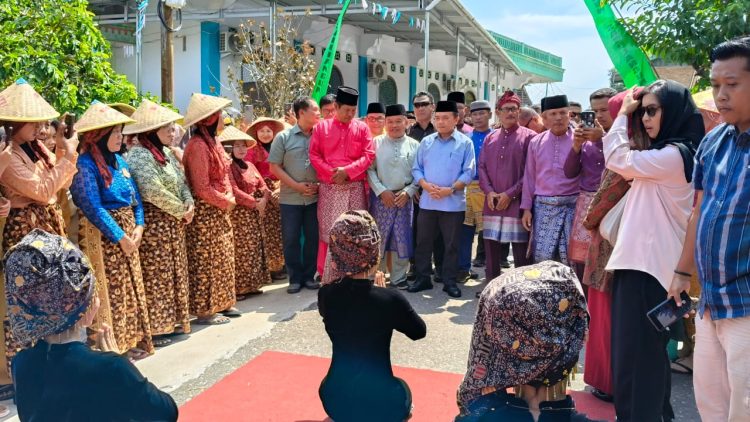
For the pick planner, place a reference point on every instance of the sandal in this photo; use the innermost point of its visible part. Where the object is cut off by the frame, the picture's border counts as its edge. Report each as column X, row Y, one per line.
column 215, row 319
column 255, row 293
column 161, row 341
column 682, row 365
column 7, row 392
column 136, row 354
column 240, row 298
column 231, row 312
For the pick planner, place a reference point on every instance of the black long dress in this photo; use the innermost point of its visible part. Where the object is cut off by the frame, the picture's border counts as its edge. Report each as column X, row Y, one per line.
column 360, row 319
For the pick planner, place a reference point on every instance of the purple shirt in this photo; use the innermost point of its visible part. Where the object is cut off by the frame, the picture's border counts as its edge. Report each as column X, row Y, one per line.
column 544, row 174
column 589, row 164
column 501, row 166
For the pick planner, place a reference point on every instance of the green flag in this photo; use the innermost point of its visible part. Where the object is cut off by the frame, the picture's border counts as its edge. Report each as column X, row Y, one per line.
column 326, row 65
column 629, row 60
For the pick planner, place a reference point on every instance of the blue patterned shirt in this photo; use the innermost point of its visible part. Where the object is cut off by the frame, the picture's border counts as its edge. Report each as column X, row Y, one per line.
column 94, row 199
column 722, row 250
column 443, row 162
column 477, row 138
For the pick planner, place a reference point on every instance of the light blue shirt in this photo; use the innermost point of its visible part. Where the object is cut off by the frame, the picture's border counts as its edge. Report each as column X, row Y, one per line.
column 444, row 162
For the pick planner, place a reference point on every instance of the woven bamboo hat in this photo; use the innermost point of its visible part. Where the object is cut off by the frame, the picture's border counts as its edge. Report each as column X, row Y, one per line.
column 150, row 116
column 231, row 134
column 202, row 106
column 100, row 115
column 123, row 108
column 21, row 103
column 276, row 126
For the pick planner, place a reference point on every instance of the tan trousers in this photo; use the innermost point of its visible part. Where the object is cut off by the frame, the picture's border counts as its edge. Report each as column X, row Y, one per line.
column 721, row 373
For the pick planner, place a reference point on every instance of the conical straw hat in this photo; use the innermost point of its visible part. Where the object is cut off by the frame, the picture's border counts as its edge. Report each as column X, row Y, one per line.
column 98, row 116
column 150, row 116
column 123, row 108
column 276, row 125
column 202, row 106
column 21, row 103
column 231, row 134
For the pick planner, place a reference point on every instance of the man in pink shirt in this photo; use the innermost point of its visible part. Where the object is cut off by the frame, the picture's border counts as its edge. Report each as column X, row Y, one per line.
column 548, row 194
column 341, row 151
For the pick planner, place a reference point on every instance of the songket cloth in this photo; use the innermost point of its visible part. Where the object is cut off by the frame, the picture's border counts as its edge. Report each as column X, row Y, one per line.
column 395, row 225
column 210, row 242
column 553, row 223
column 164, row 263
column 334, row 200
column 580, row 236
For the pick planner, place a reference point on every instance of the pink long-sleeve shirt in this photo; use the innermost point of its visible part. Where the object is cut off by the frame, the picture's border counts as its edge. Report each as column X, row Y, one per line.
column 544, row 174
column 334, row 144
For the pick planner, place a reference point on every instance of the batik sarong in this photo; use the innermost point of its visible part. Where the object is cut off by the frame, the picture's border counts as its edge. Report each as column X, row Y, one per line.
column 553, row 223
column 580, row 237
column 504, row 229
column 334, row 200
column 395, row 227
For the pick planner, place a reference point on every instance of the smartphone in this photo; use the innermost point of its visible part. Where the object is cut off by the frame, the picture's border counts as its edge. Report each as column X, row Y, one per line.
column 667, row 312
column 70, row 120
column 287, row 107
column 587, row 119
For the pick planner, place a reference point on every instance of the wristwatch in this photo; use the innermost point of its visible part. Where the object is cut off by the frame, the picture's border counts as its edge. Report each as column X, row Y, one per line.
column 453, row 189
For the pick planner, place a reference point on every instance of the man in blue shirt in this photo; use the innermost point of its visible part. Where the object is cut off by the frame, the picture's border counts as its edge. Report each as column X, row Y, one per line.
column 443, row 168
column 718, row 243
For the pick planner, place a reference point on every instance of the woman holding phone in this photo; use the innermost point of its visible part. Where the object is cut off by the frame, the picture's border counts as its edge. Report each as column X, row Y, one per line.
column 649, row 240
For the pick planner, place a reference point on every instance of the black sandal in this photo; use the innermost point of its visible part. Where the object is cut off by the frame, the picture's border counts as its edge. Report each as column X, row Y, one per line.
column 231, row 312
column 161, row 341
column 7, row 392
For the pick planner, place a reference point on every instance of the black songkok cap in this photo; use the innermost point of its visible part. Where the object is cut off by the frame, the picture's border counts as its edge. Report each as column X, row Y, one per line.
column 457, row 96
column 395, row 110
column 410, row 114
column 556, row 101
column 446, row 106
column 375, row 108
column 347, row 96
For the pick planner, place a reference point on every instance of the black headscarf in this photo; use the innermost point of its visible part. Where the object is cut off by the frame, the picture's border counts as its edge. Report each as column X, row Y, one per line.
column 681, row 122
column 109, row 156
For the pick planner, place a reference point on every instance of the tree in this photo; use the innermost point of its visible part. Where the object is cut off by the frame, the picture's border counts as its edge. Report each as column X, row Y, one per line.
column 615, row 80
column 56, row 46
column 684, row 31
column 276, row 80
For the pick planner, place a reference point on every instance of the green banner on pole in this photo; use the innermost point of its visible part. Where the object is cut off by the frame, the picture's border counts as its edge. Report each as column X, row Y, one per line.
column 629, row 60
column 326, row 65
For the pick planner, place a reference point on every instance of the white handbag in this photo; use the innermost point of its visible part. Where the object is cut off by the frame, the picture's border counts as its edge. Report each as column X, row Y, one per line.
column 610, row 224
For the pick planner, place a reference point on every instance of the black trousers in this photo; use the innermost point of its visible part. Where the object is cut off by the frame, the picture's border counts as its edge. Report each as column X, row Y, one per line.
column 431, row 224
column 642, row 378
column 438, row 249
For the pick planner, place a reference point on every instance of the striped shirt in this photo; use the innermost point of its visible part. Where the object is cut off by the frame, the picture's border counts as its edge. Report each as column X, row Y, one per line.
column 722, row 252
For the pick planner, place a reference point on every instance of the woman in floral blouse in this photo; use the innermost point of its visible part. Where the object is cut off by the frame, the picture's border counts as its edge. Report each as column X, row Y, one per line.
column 105, row 193
column 265, row 131
column 168, row 208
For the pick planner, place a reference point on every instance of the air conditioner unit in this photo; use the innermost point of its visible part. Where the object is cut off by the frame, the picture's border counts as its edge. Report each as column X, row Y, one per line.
column 377, row 72
column 451, row 85
column 228, row 42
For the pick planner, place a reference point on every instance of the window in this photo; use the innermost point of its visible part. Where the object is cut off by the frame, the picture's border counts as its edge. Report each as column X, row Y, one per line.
column 470, row 97
column 434, row 91
column 388, row 92
column 336, row 80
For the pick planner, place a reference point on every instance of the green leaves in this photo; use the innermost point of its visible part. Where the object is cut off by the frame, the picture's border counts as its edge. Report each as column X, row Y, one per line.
column 56, row 46
column 685, row 31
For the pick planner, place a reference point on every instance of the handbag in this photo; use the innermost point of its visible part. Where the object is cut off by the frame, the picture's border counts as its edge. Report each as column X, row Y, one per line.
column 610, row 224
column 611, row 190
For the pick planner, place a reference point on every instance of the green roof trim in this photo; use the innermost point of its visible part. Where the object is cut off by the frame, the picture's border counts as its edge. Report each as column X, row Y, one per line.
column 531, row 59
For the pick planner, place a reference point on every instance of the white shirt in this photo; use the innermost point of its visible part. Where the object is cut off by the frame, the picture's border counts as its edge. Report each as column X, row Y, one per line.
column 657, row 209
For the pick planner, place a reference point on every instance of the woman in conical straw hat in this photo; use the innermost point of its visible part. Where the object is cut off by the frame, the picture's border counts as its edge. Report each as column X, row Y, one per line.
column 32, row 178
column 108, row 198
column 168, row 208
column 210, row 237
column 265, row 129
column 252, row 196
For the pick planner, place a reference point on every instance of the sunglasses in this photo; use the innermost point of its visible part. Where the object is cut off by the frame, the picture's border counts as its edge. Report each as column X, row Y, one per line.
column 651, row 110
column 422, row 104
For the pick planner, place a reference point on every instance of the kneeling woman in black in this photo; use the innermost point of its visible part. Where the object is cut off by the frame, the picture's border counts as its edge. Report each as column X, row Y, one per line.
column 360, row 317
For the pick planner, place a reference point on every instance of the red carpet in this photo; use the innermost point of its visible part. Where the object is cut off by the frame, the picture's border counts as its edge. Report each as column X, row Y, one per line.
column 283, row 387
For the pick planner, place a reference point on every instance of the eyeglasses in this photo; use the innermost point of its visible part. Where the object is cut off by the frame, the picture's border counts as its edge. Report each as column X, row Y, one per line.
column 574, row 114
column 651, row 110
column 375, row 119
column 422, row 104
column 509, row 109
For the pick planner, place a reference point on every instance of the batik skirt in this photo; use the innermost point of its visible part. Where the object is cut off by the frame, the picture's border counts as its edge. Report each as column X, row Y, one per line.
column 580, row 237
column 164, row 262
column 334, row 200
column 273, row 246
column 251, row 271
column 395, row 227
column 210, row 241
column 19, row 223
column 553, row 223
column 126, row 309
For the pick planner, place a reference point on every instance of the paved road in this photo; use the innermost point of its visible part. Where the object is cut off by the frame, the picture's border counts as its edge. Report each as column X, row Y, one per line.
column 291, row 323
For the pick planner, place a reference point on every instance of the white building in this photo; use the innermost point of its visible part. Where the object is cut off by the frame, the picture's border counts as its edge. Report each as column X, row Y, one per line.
column 461, row 55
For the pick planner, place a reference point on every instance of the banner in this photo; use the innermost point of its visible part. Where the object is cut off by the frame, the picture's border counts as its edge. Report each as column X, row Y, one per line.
column 629, row 60
column 326, row 65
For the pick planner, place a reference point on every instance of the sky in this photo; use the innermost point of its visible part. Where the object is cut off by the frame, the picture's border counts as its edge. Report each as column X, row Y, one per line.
column 562, row 27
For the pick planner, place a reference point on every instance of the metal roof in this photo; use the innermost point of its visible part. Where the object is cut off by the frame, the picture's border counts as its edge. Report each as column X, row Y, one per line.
column 448, row 20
